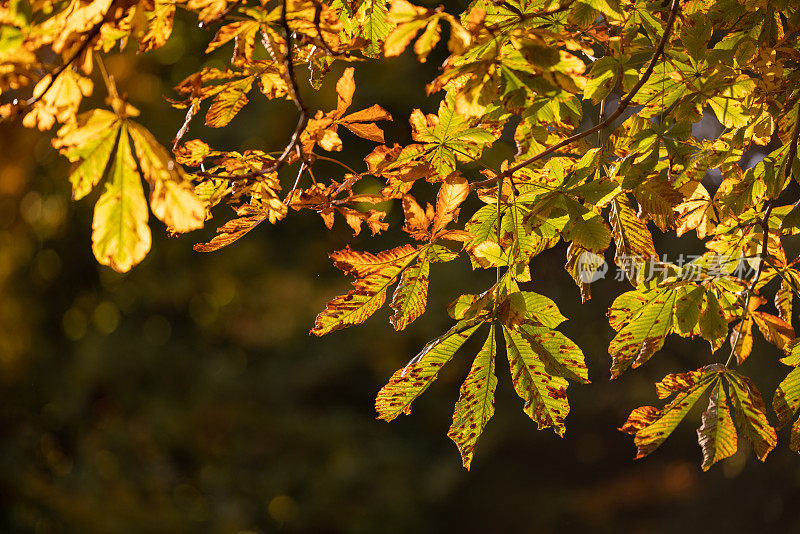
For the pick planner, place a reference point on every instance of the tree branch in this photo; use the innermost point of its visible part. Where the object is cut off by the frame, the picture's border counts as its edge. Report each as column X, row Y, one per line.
column 94, row 32
column 790, row 156
column 294, row 142
column 610, row 119
column 751, row 288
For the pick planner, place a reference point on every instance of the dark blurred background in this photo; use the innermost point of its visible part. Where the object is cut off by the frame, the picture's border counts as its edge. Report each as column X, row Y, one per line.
column 187, row 395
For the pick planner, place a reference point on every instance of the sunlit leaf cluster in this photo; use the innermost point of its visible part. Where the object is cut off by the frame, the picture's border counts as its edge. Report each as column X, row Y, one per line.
column 602, row 101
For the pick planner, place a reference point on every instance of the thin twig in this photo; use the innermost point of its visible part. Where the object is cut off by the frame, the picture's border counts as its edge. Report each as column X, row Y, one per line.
column 302, row 122
column 75, row 55
column 790, row 156
column 751, row 288
column 610, row 119
column 314, row 155
column 325, row 45
column 289, row 196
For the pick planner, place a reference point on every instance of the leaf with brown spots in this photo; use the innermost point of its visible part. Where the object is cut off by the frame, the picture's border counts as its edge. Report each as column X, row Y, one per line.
column 717, row 435
column 774, row 329
column 751, row 418
column 475, row 404
column 652, row 426
column 411, row 295
column 631, row 236
column 452, row 193
column 412, row 380
column 249, row 218
column 544, row 395
column 642, row 319
column 560, row 355
column 159, row 25
column 375, row 273
column 697, row 212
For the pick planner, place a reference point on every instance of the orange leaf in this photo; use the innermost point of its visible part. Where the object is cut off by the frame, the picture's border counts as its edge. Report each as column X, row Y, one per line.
column 453, row 192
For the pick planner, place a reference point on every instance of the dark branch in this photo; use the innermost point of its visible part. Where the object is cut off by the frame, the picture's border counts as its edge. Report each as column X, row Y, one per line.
column 94, row 32
column 751, row 288
column 294, row 142
column 609, row 120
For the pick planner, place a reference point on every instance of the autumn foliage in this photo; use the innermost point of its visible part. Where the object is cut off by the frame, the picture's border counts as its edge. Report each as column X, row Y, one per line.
column 600, row 97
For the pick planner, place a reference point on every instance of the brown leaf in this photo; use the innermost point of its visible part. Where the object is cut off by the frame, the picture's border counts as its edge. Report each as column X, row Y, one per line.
column 249, row 218
column 452, row 193
column 371, row 114
column 345, row 88
column 368, row 131
column 416, row 221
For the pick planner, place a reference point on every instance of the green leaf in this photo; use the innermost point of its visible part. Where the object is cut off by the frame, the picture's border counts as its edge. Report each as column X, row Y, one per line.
column 786, row 400
column 602, row 79
column 447, row 138
column 750, row 414
column 411, row 295
column 412, row 380
column 651, row 426
column 372, row 15
column 631, row 236
column 475, row 404
column 587, row 228
column 543, row 310
column 561, row 356
column 544, row 396
column 713, row 325
column 643, row 319
column 88, row 142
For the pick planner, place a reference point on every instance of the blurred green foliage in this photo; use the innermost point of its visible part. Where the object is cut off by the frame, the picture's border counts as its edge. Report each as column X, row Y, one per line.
column 187, row 396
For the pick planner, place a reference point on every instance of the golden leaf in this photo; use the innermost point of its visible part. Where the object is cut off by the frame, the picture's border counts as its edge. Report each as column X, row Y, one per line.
column 120, row 235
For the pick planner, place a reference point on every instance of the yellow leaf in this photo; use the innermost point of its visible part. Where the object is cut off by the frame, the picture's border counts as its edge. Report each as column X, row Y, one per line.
column 249, row 218
column 192, row 153
column 88, row 143
column 159, row 26
column 120, row 235
column 345, row 88
column 475, row 404
column 228, row 103
column 209, row 10
column 172, row 197
column 60, row 103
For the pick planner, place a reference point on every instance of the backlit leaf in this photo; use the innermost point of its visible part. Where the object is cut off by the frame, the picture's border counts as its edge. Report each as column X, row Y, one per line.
column 120, row 235
column 544, row 396
column 750, row 414
column 411, row 381
column 411, row 295
column 375, row 273
column 644, row 319
column 652, row 426
column 717, row 435
column 475, row 404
